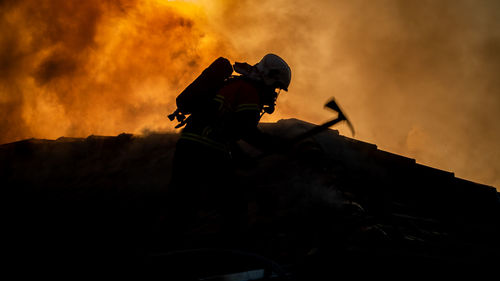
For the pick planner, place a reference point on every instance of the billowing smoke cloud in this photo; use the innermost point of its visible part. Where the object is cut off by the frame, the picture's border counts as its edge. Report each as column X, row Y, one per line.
column 77, row 68
column 417, row 77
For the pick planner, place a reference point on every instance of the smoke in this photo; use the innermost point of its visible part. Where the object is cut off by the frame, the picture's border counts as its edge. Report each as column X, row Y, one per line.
column 417, row 78
column 97, row 67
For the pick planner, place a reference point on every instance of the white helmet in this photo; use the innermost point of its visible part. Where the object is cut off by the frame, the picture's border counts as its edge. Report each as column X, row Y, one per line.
column 274, row 71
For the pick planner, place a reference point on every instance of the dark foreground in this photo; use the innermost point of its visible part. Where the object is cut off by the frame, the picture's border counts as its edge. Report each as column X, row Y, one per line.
column 332, row 206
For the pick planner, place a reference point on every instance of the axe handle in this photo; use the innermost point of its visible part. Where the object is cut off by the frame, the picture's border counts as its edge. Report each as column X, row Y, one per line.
column 317, row 129
column 305, row 135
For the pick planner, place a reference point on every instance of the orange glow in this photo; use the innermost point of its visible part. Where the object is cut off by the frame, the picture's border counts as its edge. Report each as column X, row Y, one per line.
column 100, row 68
column 416, row 78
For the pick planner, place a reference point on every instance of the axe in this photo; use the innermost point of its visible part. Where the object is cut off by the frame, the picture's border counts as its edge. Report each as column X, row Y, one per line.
column 332, row 104
column 318, row 129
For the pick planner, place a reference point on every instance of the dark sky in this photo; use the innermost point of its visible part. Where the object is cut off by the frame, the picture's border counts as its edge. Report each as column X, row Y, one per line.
column 418, row 78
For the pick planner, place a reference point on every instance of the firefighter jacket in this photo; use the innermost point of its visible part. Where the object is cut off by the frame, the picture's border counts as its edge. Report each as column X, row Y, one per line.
column 233, row 114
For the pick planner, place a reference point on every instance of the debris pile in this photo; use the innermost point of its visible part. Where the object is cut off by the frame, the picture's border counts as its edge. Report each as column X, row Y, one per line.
column 330, row 205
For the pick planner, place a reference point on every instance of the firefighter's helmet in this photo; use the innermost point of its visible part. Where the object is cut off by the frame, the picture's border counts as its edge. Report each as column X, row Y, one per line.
column 274, row 71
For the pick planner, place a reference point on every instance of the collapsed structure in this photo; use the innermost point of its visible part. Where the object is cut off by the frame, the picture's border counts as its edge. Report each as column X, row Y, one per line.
column 332, row 203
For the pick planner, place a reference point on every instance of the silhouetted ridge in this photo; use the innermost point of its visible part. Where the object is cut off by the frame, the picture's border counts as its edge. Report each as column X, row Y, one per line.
column 97, row 202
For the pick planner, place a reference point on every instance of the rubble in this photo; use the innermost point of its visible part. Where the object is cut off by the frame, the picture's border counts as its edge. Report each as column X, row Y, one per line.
column 331, row 202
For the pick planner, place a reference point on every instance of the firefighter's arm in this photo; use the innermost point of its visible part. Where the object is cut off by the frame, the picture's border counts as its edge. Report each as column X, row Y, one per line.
column 264, row 141
column 244, row 123
column 251, row 134
column 246, row 118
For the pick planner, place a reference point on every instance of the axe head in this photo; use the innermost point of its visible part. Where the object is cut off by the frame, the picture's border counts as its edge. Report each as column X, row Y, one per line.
column 332, row 104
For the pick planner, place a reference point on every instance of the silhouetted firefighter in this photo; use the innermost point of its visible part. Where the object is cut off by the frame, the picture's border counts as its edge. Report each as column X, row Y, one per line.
column 222, row 109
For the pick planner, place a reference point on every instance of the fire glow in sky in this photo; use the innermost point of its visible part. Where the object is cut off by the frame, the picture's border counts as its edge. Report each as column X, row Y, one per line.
column 419, row 78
